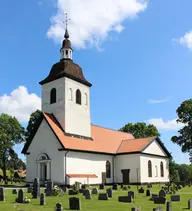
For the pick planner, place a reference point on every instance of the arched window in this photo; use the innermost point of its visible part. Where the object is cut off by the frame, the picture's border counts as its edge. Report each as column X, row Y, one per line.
column 70, row 94
column 85, row 99
column 149, row 169
column 162, row 169
column 53, row 96
column 78, row 97
column 108, row 169
column 43, row 157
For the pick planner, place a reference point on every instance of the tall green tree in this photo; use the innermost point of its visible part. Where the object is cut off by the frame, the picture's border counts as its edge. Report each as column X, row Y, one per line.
column 11, row 133
column 140, row 130
column 173, row 171
column 184, row 137
column 34, row 118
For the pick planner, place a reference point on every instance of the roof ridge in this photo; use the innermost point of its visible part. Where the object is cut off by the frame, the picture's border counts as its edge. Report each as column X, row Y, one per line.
column 139, row 138
column 111, row 129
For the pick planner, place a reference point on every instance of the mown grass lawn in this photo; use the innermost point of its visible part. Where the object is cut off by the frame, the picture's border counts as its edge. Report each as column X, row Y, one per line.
column 94, row 204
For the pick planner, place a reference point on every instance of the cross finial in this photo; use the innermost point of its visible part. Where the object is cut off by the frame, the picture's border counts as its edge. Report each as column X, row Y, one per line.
column 66, row 31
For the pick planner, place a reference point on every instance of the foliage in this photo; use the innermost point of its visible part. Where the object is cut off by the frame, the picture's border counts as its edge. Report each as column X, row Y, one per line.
column 184, row 139
column 140, row 130
column 173, row 172
column 190, row 156
column 11, row 133
column 57, row 191
column 75, row 187
column 185, row 172
column 34, row 118
column 26, row 200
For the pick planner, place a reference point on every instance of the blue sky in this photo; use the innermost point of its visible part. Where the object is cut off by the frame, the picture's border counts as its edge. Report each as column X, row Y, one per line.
column 138, row 58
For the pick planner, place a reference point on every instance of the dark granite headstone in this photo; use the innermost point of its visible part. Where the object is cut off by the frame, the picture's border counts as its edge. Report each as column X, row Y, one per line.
column 101, row 186
column 74, row 203
column 115, row 187
column 159, row 200
column 36, row 188
column 42, row 199
column 14, row 191
column 109, row 192
column 71, row 192
column 132, row 194
column 103, row 196
column 2, row 194
column 20, row 198
column 148, row 192
column 162, row 193
column 190, row 204
column 58, row 207
column 141, row 190
column 153, row 196
column 88, row 194
column 149, row 185
column 175, row 198
column 127, row 199
column 49, row 188
column 169, row 206
column 94, row 191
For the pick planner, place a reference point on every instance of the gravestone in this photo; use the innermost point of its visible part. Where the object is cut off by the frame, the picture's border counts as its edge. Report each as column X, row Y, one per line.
column 135, row 209
column 20, row 198
column 175, row 198
column 169, row 206
column 49, row 188
column 83, row 187
column 101, row 186
column 162, row 193
column 94, row 191
column 36, row 188
column 29, row 189
column 158, row 209
column 153, row 196
column 149, row 185
column 84, row 192
column 2, row 194
column 127, row 199
column 115, row 186
column 74, row 203
column 72, row 192
column 14, row 191
column 58, row 207
column 80, row 190
column 141, row 190
column 190, row 204
column 148, row 192
column 159, row 200
column 88, row 194
column 132, row 194
column 124, row 187
column 109, row 192
column 42, row 199
column 103, row 196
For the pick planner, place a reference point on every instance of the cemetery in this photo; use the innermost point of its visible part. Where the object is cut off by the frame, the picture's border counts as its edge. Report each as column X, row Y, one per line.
column 158, row 197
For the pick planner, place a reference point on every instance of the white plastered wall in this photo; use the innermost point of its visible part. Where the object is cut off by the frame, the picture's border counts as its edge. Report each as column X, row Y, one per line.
column 77, row 117
column 88, row 163
column 131, row 162
column 154, row 148
column 45, row 142
column 156, row 176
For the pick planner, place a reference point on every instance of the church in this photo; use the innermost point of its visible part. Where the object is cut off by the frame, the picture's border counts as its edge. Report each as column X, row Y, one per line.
column 66, row 147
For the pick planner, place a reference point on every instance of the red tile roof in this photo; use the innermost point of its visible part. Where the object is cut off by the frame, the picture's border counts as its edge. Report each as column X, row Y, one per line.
column 82, row 175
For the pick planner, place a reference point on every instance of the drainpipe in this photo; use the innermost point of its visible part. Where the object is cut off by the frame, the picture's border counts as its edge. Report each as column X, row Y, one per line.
column 113, row 161
column 66, row 168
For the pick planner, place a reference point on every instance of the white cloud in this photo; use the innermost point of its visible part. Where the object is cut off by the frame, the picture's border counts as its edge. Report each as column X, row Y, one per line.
column 162, row 125
column 186, row 40
column 159, row 101
column 92, row 20
column 20, row 103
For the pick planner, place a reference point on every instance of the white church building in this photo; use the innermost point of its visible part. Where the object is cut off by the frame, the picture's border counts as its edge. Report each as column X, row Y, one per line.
column 66, row 147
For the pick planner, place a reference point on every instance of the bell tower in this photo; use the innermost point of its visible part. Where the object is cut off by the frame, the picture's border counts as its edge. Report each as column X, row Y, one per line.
column 66, row 93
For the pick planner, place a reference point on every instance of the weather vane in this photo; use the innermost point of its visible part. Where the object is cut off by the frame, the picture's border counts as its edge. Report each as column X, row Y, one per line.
column 67, row 19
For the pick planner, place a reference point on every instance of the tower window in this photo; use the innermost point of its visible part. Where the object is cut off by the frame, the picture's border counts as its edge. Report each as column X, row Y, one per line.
column 53, row 96
column 66, row 53
column 149, row 169
column 162, row 169
column 78, row 97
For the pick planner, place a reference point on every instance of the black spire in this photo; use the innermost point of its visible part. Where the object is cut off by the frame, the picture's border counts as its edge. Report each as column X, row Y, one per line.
column 66, row 36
